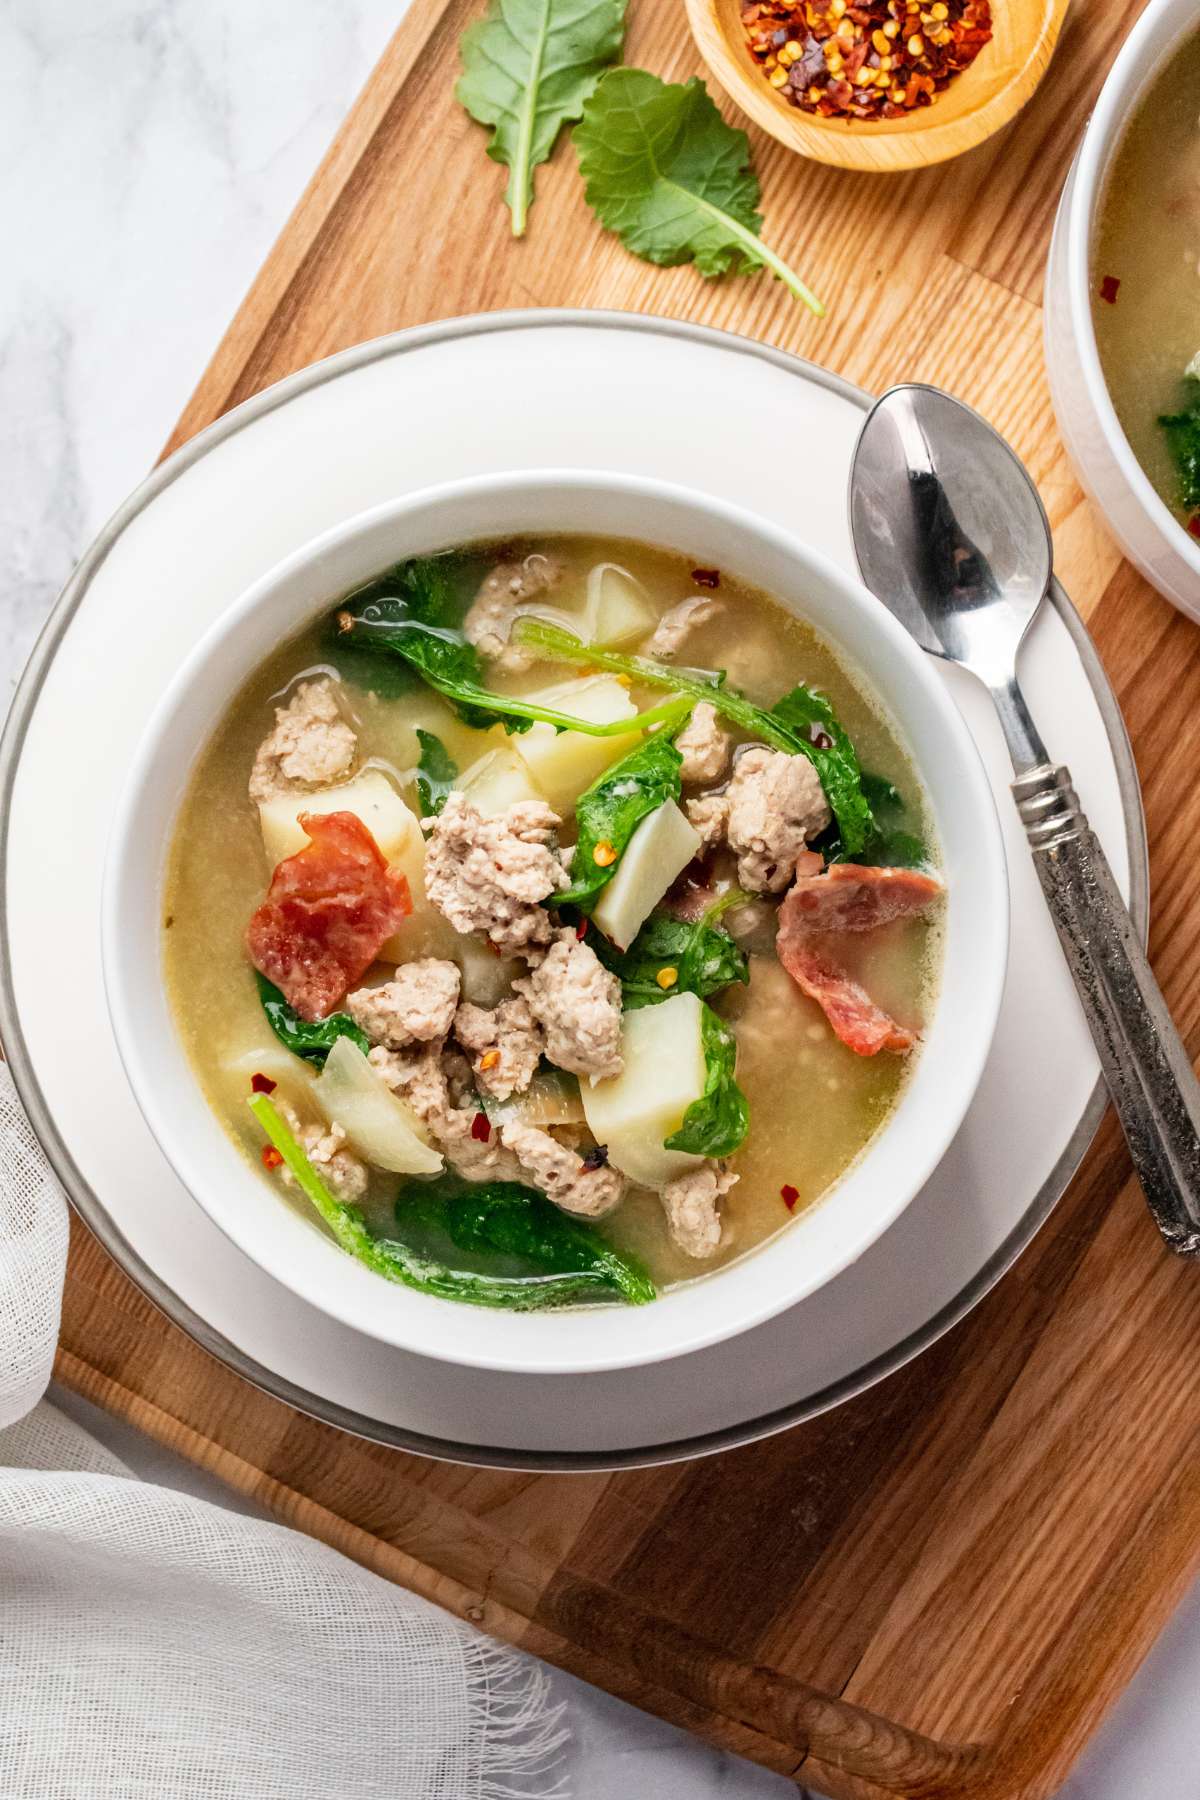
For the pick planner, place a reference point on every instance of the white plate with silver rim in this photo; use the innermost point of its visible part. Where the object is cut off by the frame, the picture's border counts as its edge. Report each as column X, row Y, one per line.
column 722, row 415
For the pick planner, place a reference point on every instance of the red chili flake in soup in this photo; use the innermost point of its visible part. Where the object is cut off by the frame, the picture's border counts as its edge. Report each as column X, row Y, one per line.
column 864, row 59
column 1193, row 525
column 481, row 1130
column 262, row 1084
column 789, row 1195
column 707, row 578
column 271, row 1157
column 1110, row 287
column 581, row 930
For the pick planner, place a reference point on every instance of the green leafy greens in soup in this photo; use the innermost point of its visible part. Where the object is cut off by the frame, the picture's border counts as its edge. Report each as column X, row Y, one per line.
column 609, row 812
column 436, row 772
column 553, row 921
column 1146, row 282
column 677, row 956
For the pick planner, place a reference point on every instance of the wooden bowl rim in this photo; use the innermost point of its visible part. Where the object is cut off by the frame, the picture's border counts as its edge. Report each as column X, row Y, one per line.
column 913, row 142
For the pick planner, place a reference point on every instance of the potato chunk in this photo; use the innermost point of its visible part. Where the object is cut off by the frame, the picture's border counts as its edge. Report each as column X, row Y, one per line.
column 377, row 1122
column 662, row 845
column 663, row 1073
column 370, row 797
column 618, row 607
column 562, row 764
column 496, row 781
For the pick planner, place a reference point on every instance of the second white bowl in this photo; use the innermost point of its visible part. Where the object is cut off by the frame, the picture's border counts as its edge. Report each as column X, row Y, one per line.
column 1140, row 520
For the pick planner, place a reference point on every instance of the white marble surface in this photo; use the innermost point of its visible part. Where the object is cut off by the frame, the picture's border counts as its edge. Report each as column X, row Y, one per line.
column 150, row 150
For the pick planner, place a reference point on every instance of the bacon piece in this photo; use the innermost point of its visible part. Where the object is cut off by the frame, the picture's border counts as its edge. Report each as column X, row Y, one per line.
column 848, row 898
column 861, row 1025
column 328, row 911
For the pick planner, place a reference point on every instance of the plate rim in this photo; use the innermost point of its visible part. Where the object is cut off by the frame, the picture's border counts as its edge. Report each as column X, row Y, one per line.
column 88, row 1204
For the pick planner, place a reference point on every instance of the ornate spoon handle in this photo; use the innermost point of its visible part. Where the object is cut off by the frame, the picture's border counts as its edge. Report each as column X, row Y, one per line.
column 1145, row 1064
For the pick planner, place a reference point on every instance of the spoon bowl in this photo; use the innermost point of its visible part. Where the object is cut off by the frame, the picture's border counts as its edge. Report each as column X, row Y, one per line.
column 939, row 581
column 951, row 533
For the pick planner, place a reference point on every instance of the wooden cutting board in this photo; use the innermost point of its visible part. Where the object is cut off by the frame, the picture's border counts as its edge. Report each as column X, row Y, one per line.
column 938, row 1589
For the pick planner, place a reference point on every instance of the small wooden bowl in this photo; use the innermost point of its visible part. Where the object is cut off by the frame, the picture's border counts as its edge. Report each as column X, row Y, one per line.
column 976, row 103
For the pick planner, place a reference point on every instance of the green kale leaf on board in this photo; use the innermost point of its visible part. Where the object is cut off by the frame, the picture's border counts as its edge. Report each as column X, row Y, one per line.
column 528, row 68
column 665, row 172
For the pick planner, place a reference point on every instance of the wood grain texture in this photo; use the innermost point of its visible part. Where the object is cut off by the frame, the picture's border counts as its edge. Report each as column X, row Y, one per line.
column 938, row 1589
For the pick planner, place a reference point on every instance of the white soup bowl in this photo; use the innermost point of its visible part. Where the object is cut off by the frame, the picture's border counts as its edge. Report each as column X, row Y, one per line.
column 292, row 1247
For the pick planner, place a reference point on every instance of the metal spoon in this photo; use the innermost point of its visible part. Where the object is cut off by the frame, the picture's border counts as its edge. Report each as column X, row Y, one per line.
column 951, row 535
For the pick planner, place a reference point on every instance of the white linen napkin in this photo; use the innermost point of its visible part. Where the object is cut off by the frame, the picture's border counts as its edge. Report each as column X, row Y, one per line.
column 157, row 1647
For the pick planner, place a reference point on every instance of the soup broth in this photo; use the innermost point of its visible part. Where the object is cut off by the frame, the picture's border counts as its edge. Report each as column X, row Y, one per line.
column 1146, row 270
column 814, row 1103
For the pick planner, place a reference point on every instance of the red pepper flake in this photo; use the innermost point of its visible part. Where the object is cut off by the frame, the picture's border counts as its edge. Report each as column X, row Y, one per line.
column 1110, row 287
column 1193, row 525
column 707, row 578
column 871, row 59
column 789, row 1195
column 272, row 1158
column 262, row 1084
column 581, row 930
column 481, row 1129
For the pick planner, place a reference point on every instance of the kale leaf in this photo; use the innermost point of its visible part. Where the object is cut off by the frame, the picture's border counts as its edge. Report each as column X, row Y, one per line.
column 1182, row 432
column 889, row 845
column 808, row 715
column 665, row 172
column 434, row 589
column 799, row 723
column 703, row 958
column 882, row 795
column 608, row 813
column 312, row 1039
column 528, row 67
column 436, row 772
column 506, row 1219
column 439, row 654
column 569, row 1263
column 717, row 1123
column 404, row 615
column 557, row 645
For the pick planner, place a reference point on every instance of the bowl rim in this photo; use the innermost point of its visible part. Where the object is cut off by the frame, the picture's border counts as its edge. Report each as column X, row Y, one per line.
column 1172, row 22
column 911, row 142
column 987, row 845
